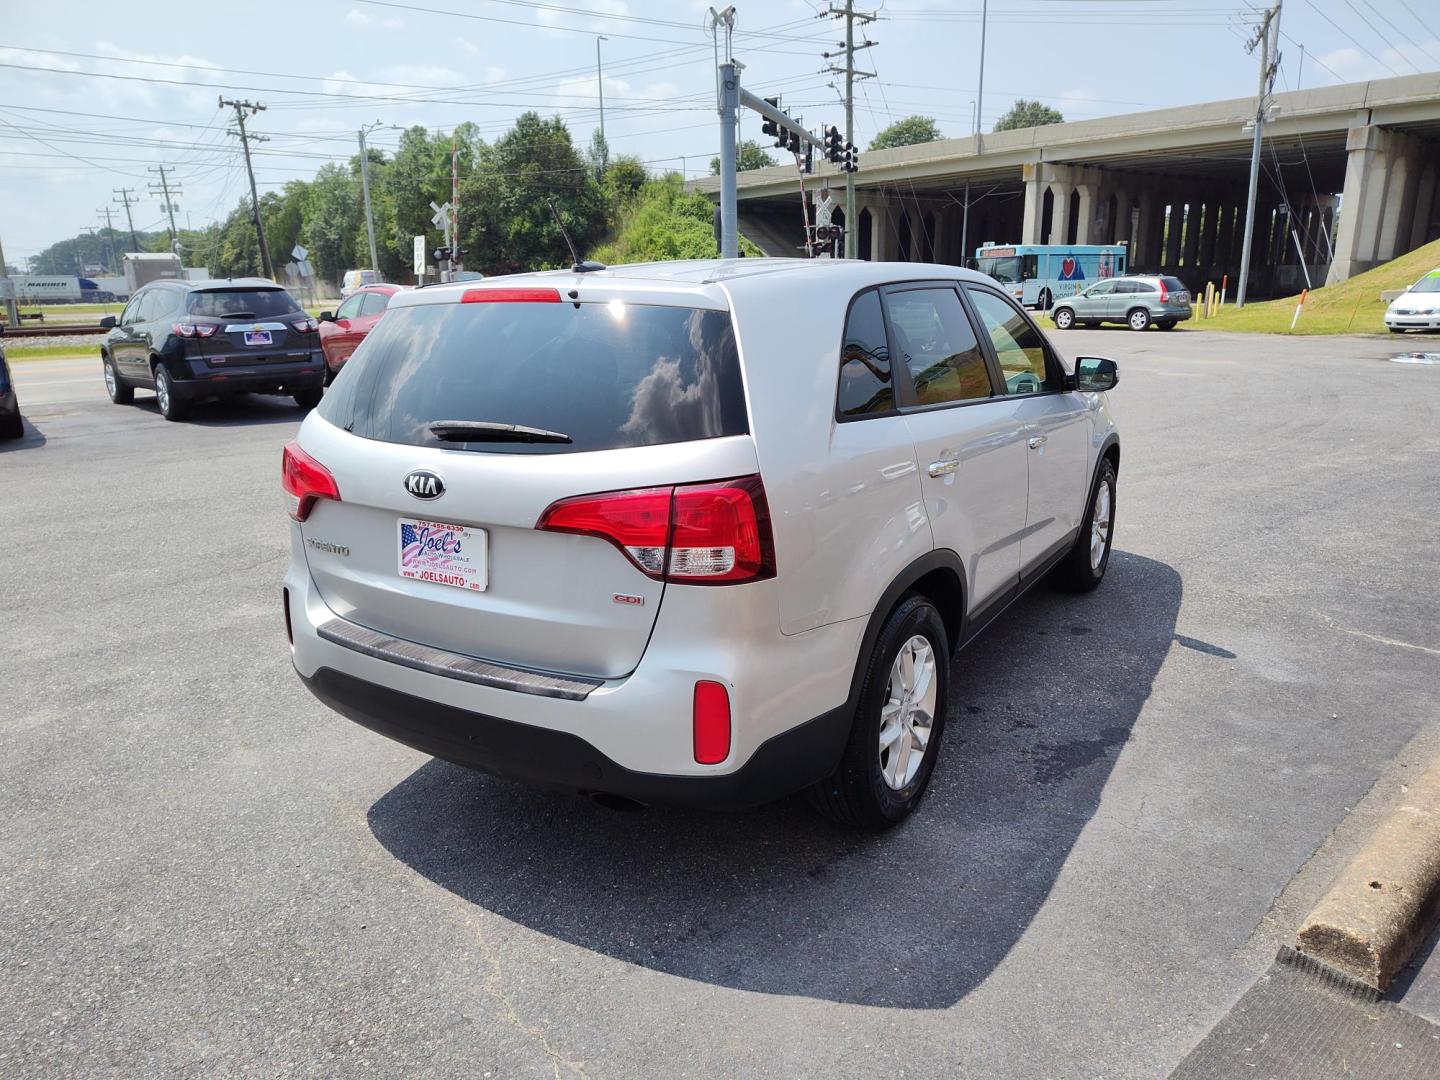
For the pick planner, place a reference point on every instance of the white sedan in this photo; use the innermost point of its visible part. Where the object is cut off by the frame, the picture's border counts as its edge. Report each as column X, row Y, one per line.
column 1418, row 307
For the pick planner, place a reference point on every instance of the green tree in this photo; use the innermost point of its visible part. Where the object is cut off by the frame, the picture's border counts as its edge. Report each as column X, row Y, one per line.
column 906, row 132
column 748, row 155
column 625, row 176
column 334, row 216
column 507, row 225
column 599, row 154
column 663, row 222
column 1025, row 114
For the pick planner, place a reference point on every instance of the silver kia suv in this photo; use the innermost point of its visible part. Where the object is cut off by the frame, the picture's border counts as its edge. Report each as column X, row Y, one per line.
column 693, row 532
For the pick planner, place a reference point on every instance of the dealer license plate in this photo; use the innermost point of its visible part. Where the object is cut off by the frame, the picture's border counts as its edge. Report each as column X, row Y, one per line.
column 257, row 337
column 444, row 554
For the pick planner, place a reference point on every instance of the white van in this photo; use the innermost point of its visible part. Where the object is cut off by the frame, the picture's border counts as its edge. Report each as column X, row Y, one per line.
column 357, row 279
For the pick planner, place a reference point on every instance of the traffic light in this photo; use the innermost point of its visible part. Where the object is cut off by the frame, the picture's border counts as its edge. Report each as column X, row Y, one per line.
column 441, row 254
column 792, row 140
column 834, row 148
column 770, row 127
column 850, row 161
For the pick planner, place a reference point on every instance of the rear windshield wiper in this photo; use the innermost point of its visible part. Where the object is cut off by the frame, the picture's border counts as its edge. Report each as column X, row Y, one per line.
column 239, row 315
column 485, row 431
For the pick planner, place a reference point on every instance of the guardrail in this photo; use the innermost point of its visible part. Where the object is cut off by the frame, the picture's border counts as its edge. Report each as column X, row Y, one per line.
column 23, row 331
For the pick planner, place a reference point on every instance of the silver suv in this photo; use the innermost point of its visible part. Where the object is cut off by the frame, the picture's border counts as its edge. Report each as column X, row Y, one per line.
column 703, row 532
column 1135, row 301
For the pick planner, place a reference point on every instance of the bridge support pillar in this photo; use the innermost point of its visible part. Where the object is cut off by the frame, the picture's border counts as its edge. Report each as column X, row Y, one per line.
column 1382, row 179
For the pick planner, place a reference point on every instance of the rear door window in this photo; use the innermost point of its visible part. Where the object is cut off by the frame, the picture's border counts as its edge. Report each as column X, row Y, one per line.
column 937, row 344
column 866, row 388
column 241, row 303
column 350, row 309
column 1018, row 345
column 604, row 375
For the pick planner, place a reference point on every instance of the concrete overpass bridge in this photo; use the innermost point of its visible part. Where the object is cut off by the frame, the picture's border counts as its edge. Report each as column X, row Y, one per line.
column 1352, row 169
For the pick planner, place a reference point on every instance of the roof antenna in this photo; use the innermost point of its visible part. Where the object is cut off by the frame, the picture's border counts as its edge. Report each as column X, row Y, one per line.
column 577, row 266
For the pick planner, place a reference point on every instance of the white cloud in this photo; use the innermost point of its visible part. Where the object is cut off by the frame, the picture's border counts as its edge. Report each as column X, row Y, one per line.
column 356, row 17
column 1352, row 65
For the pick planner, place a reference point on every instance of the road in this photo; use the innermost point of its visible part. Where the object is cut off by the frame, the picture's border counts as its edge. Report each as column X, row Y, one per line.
column 209, row 873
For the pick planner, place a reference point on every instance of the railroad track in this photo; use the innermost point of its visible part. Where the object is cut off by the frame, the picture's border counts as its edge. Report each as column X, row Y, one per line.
column 53, row 330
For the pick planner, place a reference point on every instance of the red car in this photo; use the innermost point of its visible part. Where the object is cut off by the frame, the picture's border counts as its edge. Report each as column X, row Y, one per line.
column 342, row 331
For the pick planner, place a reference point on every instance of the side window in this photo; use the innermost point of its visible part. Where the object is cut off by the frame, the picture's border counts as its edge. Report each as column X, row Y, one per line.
column 1104, row 288
column 1018, row 345
column 1141, row 287
column 131, row 315
column 350, row 309
column 375, row 303
column 865, row 383
column 150, row 305
column 938, row 346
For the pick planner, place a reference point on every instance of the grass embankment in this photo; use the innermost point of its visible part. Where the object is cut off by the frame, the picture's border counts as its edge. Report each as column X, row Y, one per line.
column 40, row 349
column 1350, row 307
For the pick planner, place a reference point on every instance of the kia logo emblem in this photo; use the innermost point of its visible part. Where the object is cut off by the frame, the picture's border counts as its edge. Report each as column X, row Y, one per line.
column 424, row 484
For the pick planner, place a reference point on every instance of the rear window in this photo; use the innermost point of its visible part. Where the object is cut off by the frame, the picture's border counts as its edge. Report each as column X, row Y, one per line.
column 242, row 303
column 1173, row 284
column 608, row 375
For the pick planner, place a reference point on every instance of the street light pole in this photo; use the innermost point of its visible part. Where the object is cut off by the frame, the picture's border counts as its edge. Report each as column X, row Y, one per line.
column 975, row 131
column 600, row 86
column 365, row 192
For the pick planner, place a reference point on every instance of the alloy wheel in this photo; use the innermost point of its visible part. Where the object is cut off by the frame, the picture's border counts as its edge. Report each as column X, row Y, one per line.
column 1099, row 525
column 907, row 718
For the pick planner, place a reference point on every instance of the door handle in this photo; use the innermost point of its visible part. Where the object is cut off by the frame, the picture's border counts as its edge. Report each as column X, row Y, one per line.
column 1037, row 441
column 943, row 467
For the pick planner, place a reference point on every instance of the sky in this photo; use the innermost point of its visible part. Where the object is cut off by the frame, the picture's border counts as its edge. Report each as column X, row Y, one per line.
column 95, row 96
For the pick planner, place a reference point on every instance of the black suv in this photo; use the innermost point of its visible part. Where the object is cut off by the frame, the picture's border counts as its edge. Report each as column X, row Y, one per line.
column 194, row 339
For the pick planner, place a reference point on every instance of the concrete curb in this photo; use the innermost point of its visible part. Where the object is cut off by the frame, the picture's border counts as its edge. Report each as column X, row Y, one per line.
column 1385, row 902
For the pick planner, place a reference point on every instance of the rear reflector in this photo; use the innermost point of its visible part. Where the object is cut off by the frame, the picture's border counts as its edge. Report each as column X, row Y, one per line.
column 305, row 480
column 510, row 296
column 285, row 602
column 712, row 723
column 695, row 534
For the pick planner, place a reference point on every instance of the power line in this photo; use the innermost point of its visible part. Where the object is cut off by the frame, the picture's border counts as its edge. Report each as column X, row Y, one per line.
column 1351, row 38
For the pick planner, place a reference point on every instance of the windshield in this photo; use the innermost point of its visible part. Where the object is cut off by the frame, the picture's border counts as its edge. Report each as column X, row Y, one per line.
column 604, row 375
column 1429, row 283
column 1005, row 269
column 246, row 303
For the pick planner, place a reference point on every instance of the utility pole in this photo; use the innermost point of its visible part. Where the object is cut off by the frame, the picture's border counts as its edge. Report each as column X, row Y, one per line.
column 125, row 199
column 242, row 108
column 851, row 16
column 975, row 130
column 164, row 189
column 109, row 238
column 1269, row 64
column 365, row 191
column 455, row 263
column 600, row 86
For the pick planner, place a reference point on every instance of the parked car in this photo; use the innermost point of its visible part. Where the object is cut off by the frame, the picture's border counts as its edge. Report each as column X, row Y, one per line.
column 657, row 533
column 11, row 425
column 1136, row 301
column 1418, row 307
column 357, row 279
column 189, row 340
column 342, row 331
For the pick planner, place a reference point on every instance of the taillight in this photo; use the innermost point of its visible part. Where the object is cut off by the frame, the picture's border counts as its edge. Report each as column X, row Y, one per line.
column 510, row 296
column 696, row 534
column 304, row 326
column 712, row 723
column 305, row 480
column 1163, row 293
column 190, row 330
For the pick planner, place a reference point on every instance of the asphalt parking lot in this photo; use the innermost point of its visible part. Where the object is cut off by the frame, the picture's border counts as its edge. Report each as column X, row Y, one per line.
column 209, row 873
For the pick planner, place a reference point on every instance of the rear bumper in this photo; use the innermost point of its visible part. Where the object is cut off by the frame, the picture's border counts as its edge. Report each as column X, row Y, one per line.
column 258, row 376
column 632, row 735
column 544, row 756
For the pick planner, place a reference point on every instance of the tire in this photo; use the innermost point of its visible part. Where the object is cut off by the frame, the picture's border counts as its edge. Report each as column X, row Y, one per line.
column 121, row 392
column 872, row 789
column 1090, row 324
column 1166, row 324
column 12, row 427
column 1138, row 319
column 173, row 407
column 1046, row 299
column 1064, row 318
column 308, row 399
column 1396, row 329
column 1084, row 567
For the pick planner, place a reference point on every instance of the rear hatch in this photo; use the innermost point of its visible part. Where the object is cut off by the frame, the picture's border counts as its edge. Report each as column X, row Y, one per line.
column 1176, row 294
column 253, row 325
column 438, row 531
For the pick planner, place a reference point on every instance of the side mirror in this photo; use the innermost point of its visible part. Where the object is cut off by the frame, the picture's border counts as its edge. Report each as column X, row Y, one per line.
column 1094, row 374
column 109, row 322
column 327, row 316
